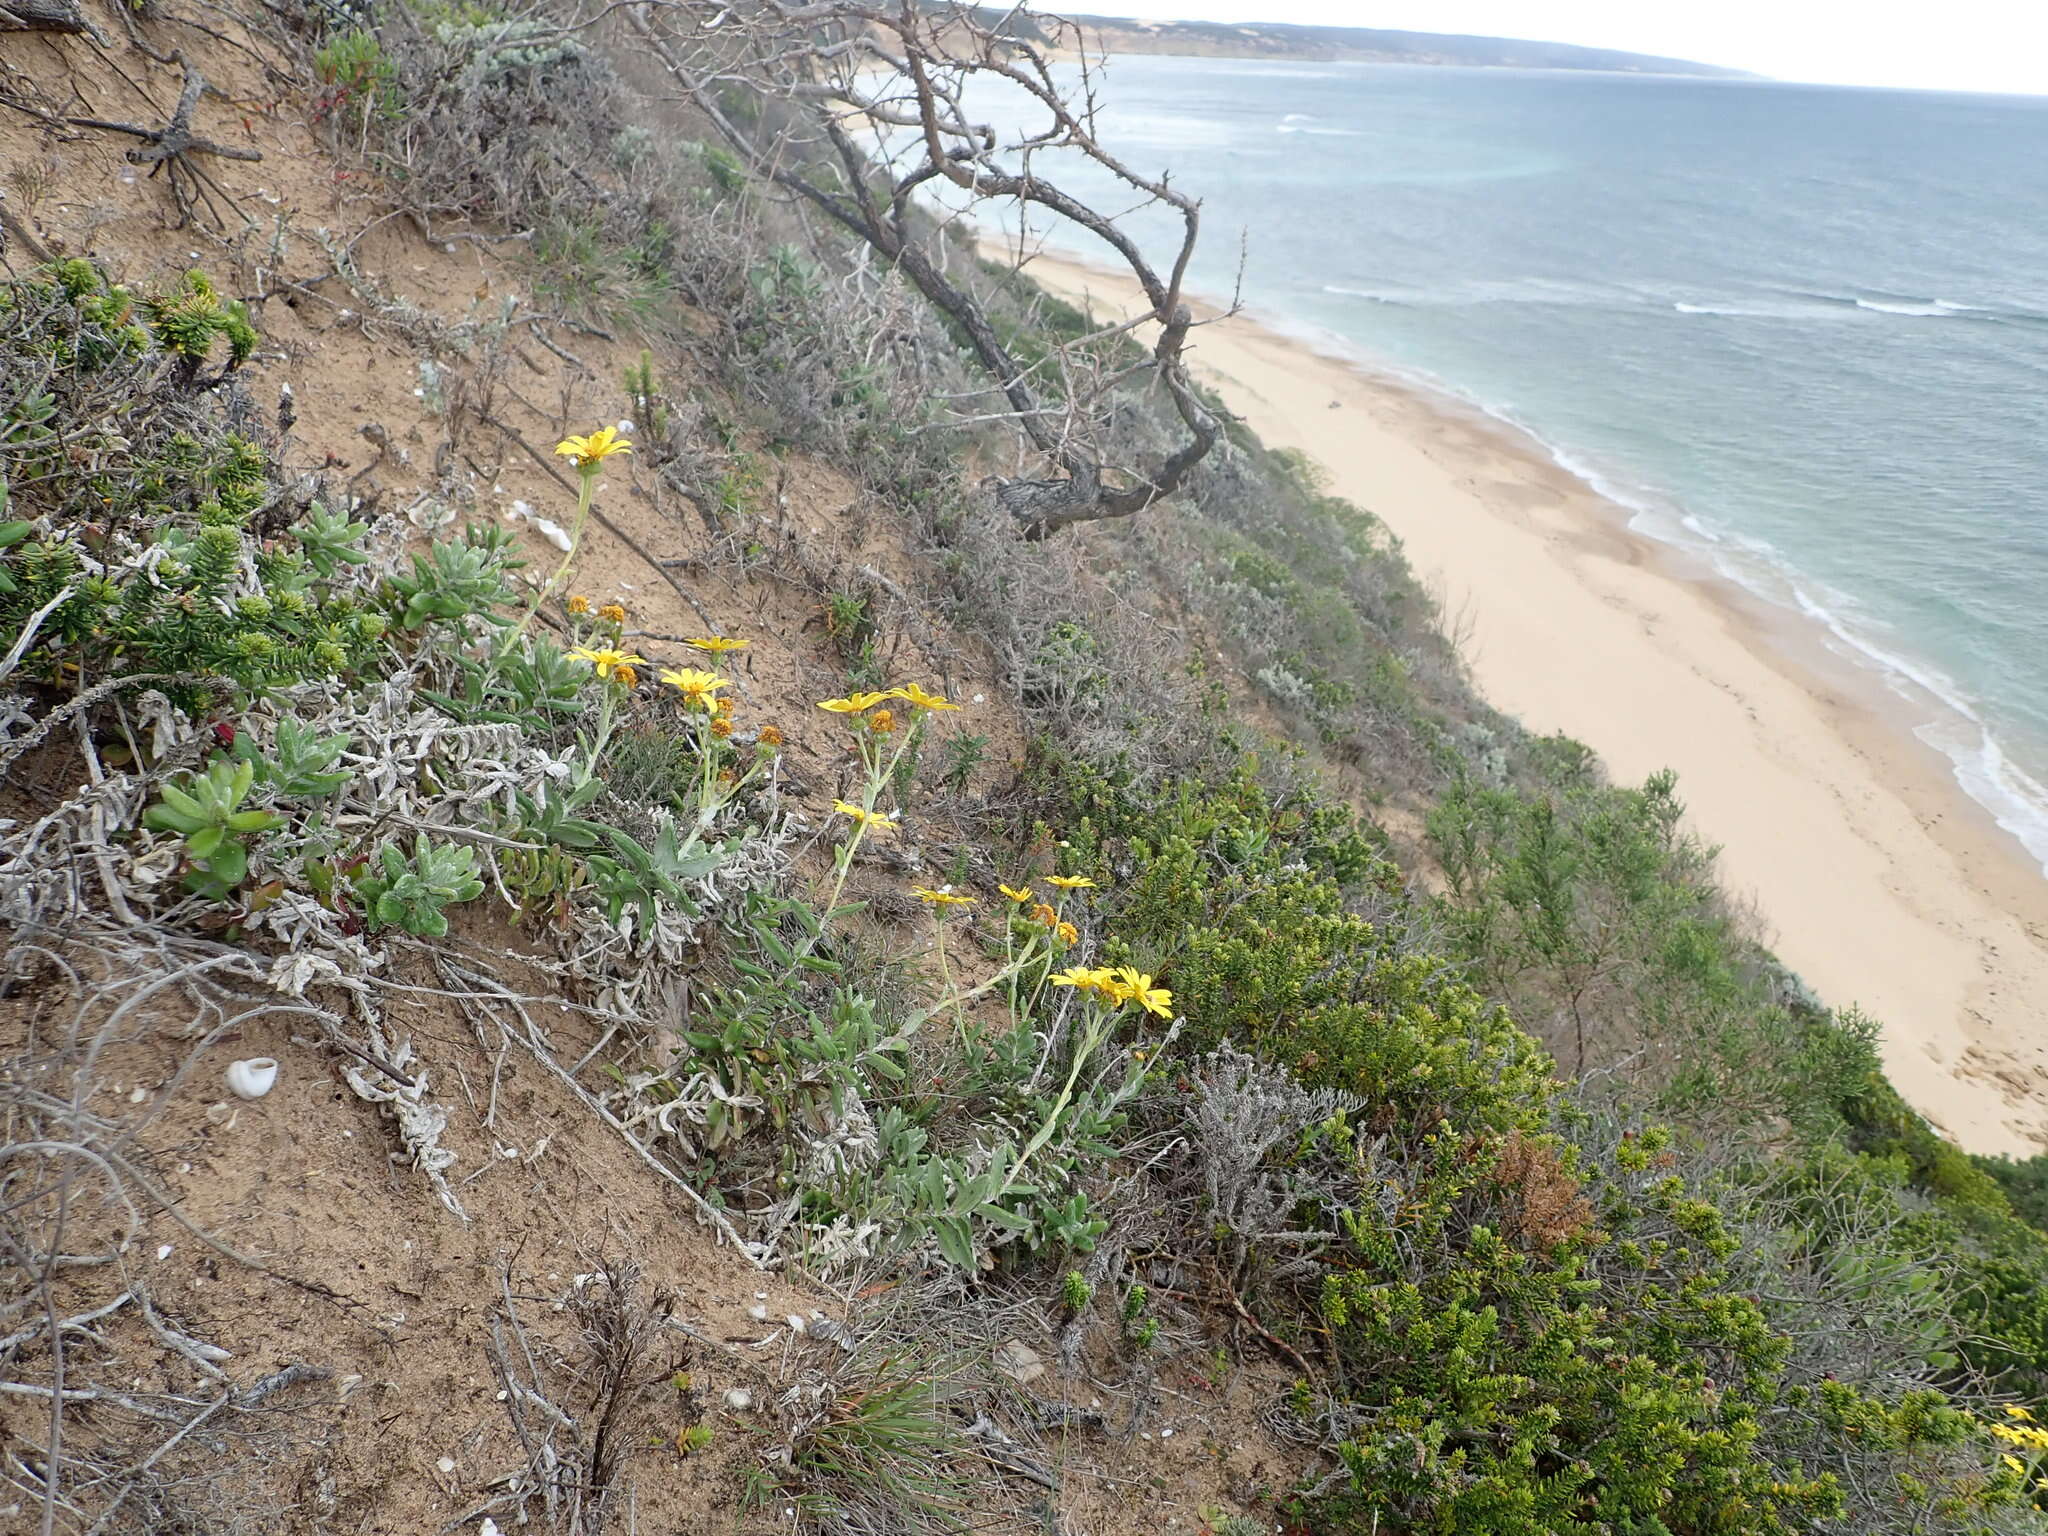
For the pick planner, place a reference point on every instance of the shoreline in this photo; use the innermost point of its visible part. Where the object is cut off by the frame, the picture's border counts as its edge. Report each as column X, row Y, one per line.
column 1874, row 875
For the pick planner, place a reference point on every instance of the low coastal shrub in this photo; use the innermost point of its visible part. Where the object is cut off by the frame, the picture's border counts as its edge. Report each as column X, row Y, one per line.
column 1533, row 1322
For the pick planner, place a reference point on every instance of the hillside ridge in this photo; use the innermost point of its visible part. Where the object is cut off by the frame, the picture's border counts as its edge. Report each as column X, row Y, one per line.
column 1376, row 45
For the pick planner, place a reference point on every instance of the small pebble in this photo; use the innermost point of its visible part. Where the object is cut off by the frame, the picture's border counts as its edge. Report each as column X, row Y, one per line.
column 739, row 1399
column 758, row 1313
column 446, row 1464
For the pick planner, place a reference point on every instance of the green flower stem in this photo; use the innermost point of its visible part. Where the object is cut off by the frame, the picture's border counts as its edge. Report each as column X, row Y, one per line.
column 586, row 493
column 1096, row 1031
column 878, row 779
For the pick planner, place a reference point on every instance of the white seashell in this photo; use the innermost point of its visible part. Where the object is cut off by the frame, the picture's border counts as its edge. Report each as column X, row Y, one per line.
column 758, row 1313
column 446, row 1464
column 797, row 1322
column 739, row 1399
column 253, row 1078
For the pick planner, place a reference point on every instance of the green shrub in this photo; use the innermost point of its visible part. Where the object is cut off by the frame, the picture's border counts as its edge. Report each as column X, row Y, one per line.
column 146, row 558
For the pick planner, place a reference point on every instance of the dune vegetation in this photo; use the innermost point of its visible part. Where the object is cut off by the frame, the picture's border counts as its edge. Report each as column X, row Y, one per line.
column 811, row 987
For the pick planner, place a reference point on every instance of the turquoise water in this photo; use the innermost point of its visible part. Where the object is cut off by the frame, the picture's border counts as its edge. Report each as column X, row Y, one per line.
column 1801, row 329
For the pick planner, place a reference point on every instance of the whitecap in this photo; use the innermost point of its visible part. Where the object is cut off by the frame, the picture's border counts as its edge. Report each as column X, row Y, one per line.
column 1927, row 311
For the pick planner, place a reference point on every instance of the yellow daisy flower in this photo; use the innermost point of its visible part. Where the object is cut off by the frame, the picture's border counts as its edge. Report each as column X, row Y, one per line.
column 597, row 447
column 699, row 689
column 606, row 661
column 913, row 694
column 874, row 821
column 1068, row 933
column 717, row 645
column 854, row 704
column 882, row 722
column 612, row 613
column 625, row 676
column 942, row 897
column 1014, row 894
column 578, row 604
column 1071, row 882
column 1041, row 913
column 1082, row 978
column 1137, row 988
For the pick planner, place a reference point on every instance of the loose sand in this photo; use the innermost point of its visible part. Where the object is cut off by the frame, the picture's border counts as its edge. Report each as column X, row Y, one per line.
column 1877, row 879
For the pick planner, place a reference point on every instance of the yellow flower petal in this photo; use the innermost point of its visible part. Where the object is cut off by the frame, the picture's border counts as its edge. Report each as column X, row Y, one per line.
column 874, row 821
column 916, row 695
column 717, row 645
column 1137, row 988
column 1015, row 894
column 1070, row 882
column 854, row 704
column 605, row 659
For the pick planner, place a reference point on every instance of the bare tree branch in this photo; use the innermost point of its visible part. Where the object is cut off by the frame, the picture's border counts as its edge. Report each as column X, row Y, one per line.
column 813, row 75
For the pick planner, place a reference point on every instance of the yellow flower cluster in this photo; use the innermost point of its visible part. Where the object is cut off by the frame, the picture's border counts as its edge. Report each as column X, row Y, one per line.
column 1124, row 984
column 2025, row 1433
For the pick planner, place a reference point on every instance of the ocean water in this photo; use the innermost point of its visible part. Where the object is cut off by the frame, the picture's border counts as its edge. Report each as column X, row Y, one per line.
column 1802, row 330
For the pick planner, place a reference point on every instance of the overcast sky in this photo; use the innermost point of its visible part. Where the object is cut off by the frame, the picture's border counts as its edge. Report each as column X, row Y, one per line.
column 1971, row 45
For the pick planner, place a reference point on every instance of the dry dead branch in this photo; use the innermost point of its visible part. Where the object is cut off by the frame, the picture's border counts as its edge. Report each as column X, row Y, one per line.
column 900, row 76
column 45, row 16
column 175, row 144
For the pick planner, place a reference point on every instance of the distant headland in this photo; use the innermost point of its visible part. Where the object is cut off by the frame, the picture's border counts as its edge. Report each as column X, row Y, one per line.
column 1276, row 40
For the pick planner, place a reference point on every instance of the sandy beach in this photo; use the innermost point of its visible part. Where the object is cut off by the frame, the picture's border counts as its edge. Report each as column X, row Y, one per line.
column 1875, row 876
